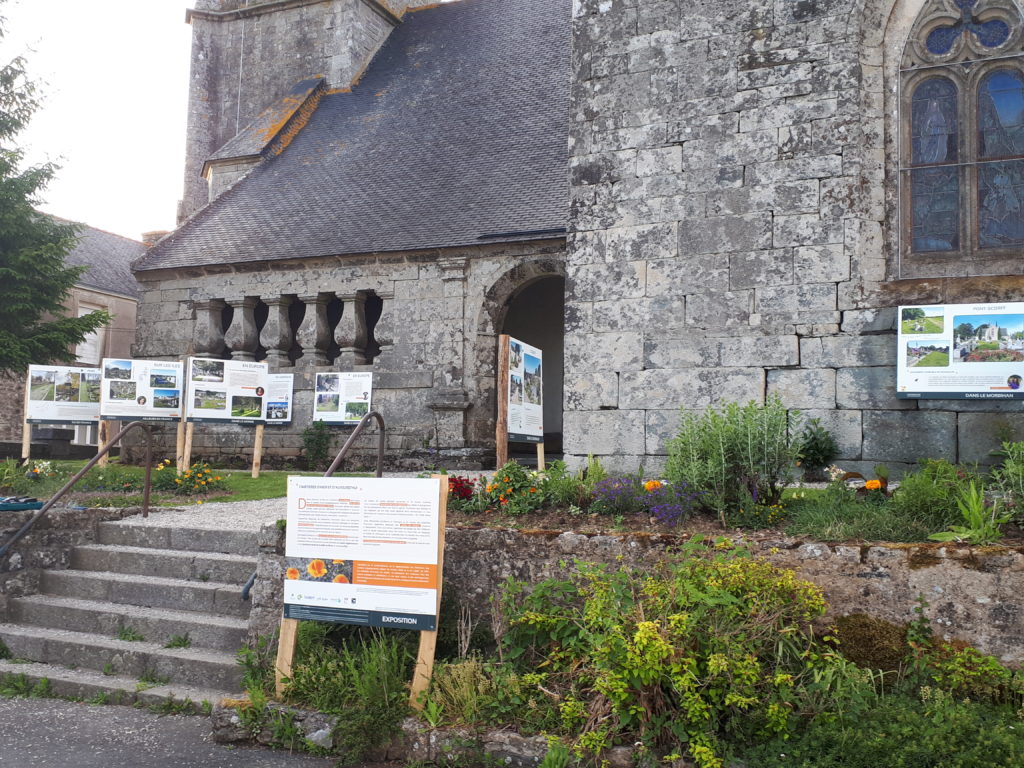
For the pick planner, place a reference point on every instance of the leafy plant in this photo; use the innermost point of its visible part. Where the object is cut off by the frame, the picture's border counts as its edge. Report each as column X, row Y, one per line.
column 316, row 445
column 179, row 641
column 1009, row 478
column 735, row 455
column 200, row 478
column 563, row 488
column 130, row 635
column 632, row 495
column 257, row 661
column 981, row 521
column 514, row 490
column 929, row 495
column 818, row 447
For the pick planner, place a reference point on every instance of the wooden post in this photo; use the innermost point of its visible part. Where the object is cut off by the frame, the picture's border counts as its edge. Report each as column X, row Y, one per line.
column 179, row 443
column 428, row 640
column 285, row 653
column 257, row 451
column 501, row 425
column 102, row 435
column 186, row 451
column 26, row 428
column 540, row 456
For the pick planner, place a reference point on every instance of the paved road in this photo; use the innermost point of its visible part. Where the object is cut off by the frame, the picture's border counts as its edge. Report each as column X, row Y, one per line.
column 55, row 733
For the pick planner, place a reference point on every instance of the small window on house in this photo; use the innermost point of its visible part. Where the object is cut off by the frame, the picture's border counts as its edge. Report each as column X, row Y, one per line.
column 90, row 351
column 962, row 140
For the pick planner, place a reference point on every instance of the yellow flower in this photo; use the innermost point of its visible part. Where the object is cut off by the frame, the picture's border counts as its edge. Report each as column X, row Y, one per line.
column 177, row 480
column 652, row 485
column 873, row 485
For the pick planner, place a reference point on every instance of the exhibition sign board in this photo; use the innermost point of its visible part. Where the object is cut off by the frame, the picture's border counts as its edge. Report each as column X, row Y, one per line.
column 525, row 393
column 342, row 397
column 62, row 395
column 149, row 390
column 280, row 395
column 227, row 391
column 961, row 351
column 363, row 551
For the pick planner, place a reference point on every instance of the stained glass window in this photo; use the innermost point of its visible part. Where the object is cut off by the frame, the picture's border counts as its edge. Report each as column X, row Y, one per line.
column 962, row 132
column 934, row 123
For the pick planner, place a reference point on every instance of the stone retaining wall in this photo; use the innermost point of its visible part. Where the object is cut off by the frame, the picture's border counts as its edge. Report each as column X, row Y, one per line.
column 974, row 594
column 47, row 545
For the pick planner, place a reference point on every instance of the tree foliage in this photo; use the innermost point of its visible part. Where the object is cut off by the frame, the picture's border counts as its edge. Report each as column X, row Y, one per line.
column 34, row 279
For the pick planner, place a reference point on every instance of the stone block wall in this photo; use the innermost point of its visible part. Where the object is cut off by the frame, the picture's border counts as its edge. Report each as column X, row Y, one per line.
column 434, row 376
column 733, row 229
column 974, row 594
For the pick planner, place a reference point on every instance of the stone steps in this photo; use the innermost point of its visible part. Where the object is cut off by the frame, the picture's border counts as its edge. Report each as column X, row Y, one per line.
column 160, row 583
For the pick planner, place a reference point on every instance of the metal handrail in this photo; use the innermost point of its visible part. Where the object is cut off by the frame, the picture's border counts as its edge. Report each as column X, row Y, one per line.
column 337, row 462
column 352, row 438
column 5, row 549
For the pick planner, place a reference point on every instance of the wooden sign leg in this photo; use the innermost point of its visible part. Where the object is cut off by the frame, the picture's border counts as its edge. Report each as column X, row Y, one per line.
column 257, row 452
column 26, row 428
column 540, row 457
column 285, row 653
column 428, row 640
column 186, row 451
column 179, row 445
column 501, row 423
column 102, row 436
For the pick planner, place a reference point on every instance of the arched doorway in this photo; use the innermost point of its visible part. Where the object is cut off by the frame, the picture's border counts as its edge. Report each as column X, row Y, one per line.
column 535, row 315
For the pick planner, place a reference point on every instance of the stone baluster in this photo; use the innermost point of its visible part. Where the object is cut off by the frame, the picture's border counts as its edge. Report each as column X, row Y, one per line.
column 208, row 330
column 276, row 336
column 384, row 330
column 351, row 331
column 241, row 337
column 314, row 334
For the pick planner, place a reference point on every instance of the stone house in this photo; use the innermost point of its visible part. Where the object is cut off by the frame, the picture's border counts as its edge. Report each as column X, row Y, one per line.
column 106, row 284
column 682, row 202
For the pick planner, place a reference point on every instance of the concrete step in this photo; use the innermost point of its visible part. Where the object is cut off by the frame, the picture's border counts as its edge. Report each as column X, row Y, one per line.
column 165, row 563
column 194, row 667
column 224, row 633
column 131, row 533
column 89, row 685
column 148, row 591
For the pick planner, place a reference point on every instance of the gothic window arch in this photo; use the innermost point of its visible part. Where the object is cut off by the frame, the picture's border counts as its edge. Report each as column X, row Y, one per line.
column 962, row 137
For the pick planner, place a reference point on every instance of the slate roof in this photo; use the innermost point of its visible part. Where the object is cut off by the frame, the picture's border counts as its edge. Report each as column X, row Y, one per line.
column 108, row 258
column 458, row 131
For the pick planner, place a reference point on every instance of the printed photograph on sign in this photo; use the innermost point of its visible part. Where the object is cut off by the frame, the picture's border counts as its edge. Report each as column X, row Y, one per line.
column 63, row 395
column 207, row 370
column 136, row 389
column 525, row 388
column 961, row 351
column 279, row 397
column 363, row 551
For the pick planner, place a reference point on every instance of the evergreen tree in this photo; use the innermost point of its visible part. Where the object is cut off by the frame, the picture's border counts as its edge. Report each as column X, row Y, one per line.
column 34, row 280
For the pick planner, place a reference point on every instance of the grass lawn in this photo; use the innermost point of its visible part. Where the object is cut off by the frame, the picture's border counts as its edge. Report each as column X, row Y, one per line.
column 934, row 359
column 928, row 325
column 987, row 345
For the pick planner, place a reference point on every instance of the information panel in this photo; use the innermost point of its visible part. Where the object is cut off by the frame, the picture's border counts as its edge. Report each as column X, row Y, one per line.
column 227, row 391
column 280, row 392
column 149, row 390
column 343, row 397
column 525, row 393
column 363, row 551
column 961, row 351
column 62, row 395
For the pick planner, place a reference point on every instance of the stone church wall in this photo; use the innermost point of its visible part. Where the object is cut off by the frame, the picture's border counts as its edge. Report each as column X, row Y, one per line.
column 733, row 226
column 434, row 377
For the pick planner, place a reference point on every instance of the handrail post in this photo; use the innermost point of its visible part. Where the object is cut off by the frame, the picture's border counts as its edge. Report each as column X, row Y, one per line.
column 351, row 439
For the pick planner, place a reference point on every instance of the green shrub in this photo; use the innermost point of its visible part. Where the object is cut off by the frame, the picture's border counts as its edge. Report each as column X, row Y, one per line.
column 929, row 496
column 1009, row 479
column 708, row 646
column 316, row 446
column 735, row 455
column 514, row 490
column 817, row 447
column 562, row 488
column 200, row 478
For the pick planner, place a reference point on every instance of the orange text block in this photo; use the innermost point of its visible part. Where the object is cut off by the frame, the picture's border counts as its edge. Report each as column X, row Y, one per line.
column 414, row 575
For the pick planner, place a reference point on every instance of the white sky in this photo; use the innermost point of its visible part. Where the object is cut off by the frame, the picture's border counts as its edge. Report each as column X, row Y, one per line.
column 114, row 80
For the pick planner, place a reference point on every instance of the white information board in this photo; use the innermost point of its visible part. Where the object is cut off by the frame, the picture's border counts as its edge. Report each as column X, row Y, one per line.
column 342, row 397
column 961, row 351
column 363, row 550
column 150, row 390
column 62, row 395
column 227, row 391
column 280, row 393
column 525, row 393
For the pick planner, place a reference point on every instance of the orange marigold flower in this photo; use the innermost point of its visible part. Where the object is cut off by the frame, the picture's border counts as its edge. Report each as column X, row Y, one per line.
column 292, row 573
column 652, row 485
column 217, row 477
column 533, row 490
column 341, row 578
column 177, row 480
column 873, row 485
column 317, row 569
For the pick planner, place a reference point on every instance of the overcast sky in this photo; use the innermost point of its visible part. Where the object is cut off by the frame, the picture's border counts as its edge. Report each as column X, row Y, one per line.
column 114, row 77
